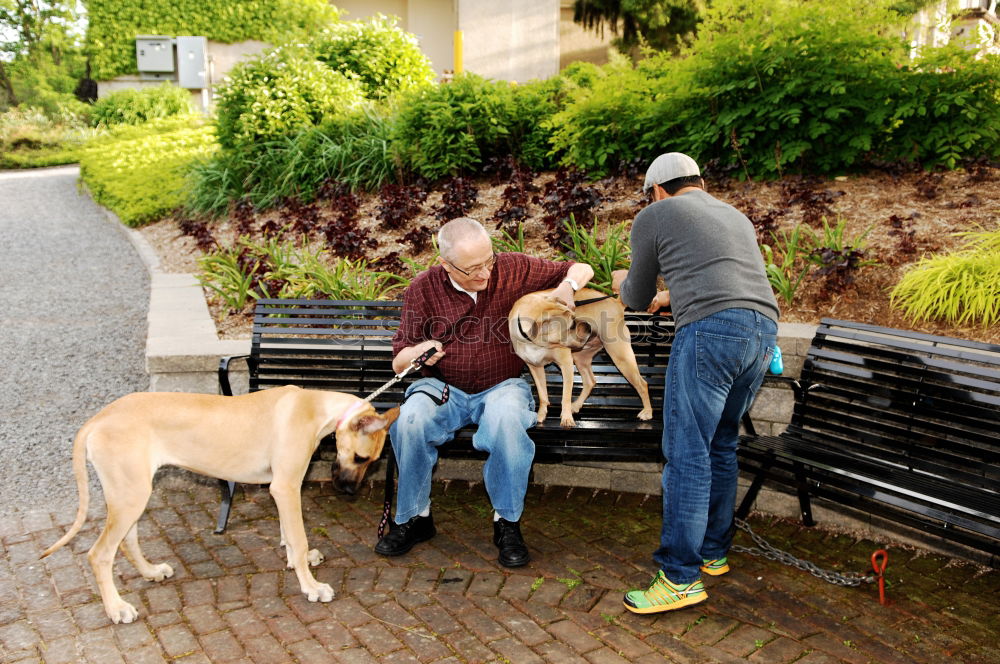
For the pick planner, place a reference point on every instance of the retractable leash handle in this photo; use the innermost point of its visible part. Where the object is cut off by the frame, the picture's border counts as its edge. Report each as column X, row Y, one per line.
column 415, row 363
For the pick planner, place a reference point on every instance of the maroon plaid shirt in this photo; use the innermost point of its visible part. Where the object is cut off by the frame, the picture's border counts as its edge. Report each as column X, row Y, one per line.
column 478, row 352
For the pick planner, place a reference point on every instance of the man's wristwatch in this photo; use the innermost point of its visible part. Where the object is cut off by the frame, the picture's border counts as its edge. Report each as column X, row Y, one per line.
column 572, row 284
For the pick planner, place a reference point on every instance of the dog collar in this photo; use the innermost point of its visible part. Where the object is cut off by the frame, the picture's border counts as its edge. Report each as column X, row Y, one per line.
column 358, row 405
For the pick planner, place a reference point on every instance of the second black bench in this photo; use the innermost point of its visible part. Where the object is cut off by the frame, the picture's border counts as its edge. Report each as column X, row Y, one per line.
column 898, row 423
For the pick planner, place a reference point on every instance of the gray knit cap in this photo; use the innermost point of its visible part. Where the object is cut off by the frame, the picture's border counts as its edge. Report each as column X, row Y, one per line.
column 670, row 166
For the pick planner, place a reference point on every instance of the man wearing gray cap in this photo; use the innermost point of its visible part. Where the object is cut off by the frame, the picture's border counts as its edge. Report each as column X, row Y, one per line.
column 725, row 318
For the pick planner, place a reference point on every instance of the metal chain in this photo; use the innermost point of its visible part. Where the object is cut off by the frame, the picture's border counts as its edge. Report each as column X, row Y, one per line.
column 766, row 550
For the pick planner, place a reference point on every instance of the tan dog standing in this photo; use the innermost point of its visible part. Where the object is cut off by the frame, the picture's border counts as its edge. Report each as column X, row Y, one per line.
column 266, row 436
column 543, row 330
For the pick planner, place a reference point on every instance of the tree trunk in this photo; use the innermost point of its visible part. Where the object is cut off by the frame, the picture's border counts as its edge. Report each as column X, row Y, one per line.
column 6, row 87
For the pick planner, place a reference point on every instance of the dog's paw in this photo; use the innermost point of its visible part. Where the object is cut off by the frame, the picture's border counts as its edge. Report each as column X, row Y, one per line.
column 314, row 557
column 160, row 572
column 543, row 411
column 567, row 421
column 321, row 593
column 645, row 414
column 121, row 611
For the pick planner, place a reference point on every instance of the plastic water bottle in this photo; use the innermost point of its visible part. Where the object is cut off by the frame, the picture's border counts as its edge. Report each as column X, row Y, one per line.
column 777, row 366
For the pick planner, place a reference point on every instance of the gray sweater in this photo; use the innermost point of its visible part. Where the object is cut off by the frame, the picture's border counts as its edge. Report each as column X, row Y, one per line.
column 706, row 251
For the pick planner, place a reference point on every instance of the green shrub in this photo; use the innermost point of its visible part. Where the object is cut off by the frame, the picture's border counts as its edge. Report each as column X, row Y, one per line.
column 778, row 86
column 945, row 107
column 30, row 139
column 454, row 127
column 138, row 172
column 602, row 126
column 278, row 94
column 384, row 58
column 138, row 105
column 353, row 149
column 533, row 104
column 961, row 287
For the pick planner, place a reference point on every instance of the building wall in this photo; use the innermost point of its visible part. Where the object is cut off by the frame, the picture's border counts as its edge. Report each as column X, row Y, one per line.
column 221, row 59
column 516, row 40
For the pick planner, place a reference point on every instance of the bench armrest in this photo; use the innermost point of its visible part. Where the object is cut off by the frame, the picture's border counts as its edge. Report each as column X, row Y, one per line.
column 793, row 383
column 224, row 385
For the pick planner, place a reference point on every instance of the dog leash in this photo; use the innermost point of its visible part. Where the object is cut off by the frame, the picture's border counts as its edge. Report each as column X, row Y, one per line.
column 591, row 300
column 415, row 363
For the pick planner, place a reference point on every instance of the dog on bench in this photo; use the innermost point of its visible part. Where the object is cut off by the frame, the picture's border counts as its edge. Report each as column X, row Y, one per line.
column 266, row 436
column 543, row 330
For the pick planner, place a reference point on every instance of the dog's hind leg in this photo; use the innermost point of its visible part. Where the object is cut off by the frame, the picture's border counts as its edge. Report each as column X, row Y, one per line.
column 125, row 506
column 583, row 360
column 150, row 571
column 287, row 496
column 624, row 358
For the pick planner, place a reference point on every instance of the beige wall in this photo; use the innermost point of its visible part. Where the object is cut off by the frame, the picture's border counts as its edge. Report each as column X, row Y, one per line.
column 516, row 40
column 576, row 43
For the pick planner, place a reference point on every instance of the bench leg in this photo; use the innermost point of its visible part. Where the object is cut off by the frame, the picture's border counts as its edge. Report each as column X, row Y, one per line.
column 750, row 496
column 802, row 487
column 228, row 490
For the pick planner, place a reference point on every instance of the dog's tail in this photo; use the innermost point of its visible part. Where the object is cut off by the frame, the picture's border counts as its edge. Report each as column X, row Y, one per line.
column 82, row 487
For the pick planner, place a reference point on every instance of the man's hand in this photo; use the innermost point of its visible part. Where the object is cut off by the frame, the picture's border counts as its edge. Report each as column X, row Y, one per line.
column 426, row 345
column 565, row 294
column 617, row 277
column 660, row 301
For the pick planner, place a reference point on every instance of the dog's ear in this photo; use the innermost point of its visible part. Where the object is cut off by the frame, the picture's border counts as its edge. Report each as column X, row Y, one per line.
column 390, row 415
column 369, row 424
column 582, row 331
column 532, row 330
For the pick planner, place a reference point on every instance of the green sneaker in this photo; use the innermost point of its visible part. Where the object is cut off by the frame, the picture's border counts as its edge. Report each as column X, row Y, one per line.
column 664, row 595
column 716, row 567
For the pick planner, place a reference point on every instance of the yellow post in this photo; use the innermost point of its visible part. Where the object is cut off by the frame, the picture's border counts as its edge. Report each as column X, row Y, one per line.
column 458, row 52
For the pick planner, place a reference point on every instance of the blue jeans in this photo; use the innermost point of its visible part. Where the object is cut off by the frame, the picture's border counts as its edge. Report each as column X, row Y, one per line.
column 716, row 367
column 503, row 415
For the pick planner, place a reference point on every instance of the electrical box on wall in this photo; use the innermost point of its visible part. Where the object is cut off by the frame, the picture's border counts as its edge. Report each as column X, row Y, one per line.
column 154, row 53
column 192, row 62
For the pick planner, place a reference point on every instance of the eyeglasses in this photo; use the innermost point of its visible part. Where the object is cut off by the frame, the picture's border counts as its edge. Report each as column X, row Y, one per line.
column 488, row 265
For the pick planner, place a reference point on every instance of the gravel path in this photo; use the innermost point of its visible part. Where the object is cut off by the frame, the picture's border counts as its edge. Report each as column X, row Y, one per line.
column 73, row 301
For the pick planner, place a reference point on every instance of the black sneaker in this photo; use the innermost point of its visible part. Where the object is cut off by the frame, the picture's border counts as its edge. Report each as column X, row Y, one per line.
column 403, row 536
column 507, row 537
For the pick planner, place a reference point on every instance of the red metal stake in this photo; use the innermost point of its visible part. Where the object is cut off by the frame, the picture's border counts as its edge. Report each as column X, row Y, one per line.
column 880, row 571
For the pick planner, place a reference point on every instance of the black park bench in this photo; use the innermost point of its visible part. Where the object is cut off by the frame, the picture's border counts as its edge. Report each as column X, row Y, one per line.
column 345, row 346
column 896, row 422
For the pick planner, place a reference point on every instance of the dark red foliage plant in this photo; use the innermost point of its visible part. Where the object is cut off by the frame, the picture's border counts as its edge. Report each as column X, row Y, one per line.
column 459, row 196
column 398, row 203
column 566, row 194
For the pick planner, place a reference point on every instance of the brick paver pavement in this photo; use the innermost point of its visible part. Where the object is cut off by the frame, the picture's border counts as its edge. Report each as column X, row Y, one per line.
column 232, row 600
